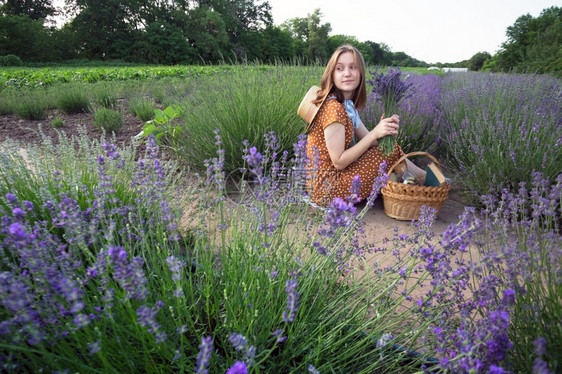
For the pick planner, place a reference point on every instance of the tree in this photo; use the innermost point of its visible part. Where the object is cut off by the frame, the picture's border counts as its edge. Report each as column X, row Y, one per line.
column 164, row 43
column 377, row 53
column 206, row 32
column 22, row 36
column 310, row 37
column 317, row 47
column 400, row 59
column 544, row 55
column 35, row 9
column 297, row 28
column 105, row 28
column 532, row 42
column 476, row 62
column 276, row 44
column 337, row 40
column 241, row 19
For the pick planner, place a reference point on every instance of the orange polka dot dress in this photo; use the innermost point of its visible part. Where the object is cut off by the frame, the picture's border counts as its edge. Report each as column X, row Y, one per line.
column 325, row 182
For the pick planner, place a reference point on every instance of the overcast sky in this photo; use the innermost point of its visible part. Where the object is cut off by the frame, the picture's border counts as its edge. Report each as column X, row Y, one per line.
column 428, row 30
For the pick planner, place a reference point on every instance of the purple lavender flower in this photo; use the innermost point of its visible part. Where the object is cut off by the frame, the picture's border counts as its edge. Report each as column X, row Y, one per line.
column 11, row 198
column 389, row 89
column 339, row 215
column 540, row 367
column 129, row 275
column 312, row 369
column 279, row 334
column 239, row 341
column 379, row 182
column 239, row 367
column 292, row 300
column 355, row 190
column 204, row 355
column 175, row 265
column 540, row 346
column 18, row 213
column 147, row 318
column 254, row 158
column 18, row 232
column 94, row 347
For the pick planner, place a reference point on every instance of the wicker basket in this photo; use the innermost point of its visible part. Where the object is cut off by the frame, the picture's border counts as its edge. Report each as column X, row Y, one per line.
column 403, row 201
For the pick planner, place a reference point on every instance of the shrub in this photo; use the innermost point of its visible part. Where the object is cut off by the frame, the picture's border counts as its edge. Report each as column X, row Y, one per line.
column 500, row 128
column 107, row 119
column 247, row 104
column 92, row 244
column 10, row 60
column 30, row 107
column 105, row 98
column 57, row 122
column 142, row 108
column 6, row 105
column 72, row 99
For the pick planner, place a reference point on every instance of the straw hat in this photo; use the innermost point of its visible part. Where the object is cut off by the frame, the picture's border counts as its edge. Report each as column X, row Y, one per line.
column 307, row 110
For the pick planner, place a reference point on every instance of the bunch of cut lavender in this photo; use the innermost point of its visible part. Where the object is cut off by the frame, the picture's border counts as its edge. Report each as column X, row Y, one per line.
column 389, row 90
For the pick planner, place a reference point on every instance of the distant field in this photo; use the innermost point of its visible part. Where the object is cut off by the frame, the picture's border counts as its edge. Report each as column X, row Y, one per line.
column 34, row 77
column 45, row 76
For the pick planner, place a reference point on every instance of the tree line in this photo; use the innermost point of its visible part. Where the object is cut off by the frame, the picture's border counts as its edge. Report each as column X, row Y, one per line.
column 172, row 32
column 210, row 31
column 533, row 45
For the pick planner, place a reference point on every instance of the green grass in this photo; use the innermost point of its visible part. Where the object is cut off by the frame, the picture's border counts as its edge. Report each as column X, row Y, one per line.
column 104, row 95
column 107, row 119
column 30, row 104
column 245, row 104
column 57, row 122
column 72, row 98
column 142, row 108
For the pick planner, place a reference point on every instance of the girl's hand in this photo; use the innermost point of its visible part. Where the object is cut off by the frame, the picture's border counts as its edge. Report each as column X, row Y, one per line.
column 387, row 126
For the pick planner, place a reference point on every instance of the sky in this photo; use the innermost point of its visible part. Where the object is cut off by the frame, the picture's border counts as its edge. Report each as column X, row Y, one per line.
column 433, row 31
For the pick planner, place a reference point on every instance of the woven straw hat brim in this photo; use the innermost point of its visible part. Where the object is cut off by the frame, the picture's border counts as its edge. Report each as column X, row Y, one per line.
column 307, row 110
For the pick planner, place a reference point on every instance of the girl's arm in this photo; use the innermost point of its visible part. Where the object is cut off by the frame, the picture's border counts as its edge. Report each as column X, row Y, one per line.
column 335, row 141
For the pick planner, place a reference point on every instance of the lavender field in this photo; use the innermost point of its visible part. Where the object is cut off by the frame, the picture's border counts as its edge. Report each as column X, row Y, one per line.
column 205, row 259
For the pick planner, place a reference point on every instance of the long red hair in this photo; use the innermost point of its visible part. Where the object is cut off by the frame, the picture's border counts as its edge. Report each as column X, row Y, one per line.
column 327, row 83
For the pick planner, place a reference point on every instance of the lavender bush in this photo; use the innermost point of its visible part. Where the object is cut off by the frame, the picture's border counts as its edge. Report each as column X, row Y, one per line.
column 499, row 129
column 245, row 105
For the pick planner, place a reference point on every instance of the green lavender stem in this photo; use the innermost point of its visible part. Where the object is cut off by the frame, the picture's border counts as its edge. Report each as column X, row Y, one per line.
column 386, row 144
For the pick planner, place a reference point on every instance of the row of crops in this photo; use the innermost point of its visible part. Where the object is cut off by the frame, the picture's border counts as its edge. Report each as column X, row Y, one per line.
column 37, row 77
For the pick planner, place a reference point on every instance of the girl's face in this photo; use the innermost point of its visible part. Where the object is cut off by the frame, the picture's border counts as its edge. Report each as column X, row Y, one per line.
column 346, row 75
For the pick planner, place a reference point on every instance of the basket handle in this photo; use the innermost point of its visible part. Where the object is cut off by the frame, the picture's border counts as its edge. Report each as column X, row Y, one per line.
column 414, row 154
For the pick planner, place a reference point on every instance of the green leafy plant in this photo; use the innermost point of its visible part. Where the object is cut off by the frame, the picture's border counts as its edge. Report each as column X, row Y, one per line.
column 164, row 124
column 10, row 60
column 72, row 99
column 107, row 119
column 142, row 108
column 245, row 104
column 57, row 122
column 105, row 98
column 31, row 105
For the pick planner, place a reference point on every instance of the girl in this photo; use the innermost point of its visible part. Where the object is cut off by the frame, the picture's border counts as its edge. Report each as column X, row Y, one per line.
column 339, row 145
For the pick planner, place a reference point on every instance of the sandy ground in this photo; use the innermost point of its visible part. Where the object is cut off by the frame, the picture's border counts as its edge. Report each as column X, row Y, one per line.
column 379, row 225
